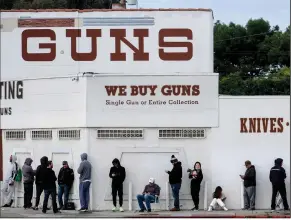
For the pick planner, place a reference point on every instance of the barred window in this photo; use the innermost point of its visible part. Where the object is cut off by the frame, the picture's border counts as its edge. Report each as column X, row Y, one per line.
column 69, row 134
column 15, row 135
column 119, row 133
column 41, row 135
column 182, row 133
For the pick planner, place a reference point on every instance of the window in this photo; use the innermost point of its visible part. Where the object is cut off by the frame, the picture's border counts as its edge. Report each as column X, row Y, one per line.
column 15, row 135
column 182, row 133
column 41, row 135
column 119, row 133
column 69, row 134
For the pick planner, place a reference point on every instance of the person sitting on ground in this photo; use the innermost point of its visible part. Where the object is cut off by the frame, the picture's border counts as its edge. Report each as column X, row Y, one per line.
column 218, row 198
column 149, row 195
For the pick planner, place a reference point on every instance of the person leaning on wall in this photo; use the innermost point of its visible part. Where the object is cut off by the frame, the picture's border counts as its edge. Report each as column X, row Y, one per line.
column 117, row 174
column 85, row 181
column 249, row 186
column 175, row 180
column 196, row 177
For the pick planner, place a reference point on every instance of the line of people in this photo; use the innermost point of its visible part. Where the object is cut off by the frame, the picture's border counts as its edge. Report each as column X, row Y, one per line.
column 45, row 180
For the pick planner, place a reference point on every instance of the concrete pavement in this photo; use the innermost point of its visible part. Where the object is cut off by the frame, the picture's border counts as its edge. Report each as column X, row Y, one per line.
column 29, row 213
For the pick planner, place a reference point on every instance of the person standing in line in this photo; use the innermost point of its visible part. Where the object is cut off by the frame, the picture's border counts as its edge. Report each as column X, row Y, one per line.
column 9, row 181
column 175, row 180
column 117, row 174
column 49, row 187
column 65, row 182
column 196, row 177
column 39, row 177
column 277, row 178
column 28, row 179
column 85, row 181
column 249, row 186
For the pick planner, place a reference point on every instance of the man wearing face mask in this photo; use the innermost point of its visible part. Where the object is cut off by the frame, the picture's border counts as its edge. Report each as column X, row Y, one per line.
column 175, row 179
column 117, row 174
column 9, row 181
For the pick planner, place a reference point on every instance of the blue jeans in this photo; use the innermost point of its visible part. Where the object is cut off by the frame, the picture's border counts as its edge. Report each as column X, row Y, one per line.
column 175, row 190
column 148, row 200
column 63, row 189
column 84, row 193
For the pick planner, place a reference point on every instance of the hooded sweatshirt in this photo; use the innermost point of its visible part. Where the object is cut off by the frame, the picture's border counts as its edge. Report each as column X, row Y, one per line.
column 250, row 177
column 119, row 172
column 278, row 173
column 27, row 171
column 11, row 169
column 84, row 169
column 175, row 175
column 40, row 170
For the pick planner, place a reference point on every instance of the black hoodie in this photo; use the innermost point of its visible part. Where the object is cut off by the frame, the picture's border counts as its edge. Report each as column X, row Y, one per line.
column 175, row 175
column 250, row 177
column 41, row 170
column 119, row 172
column 277, row 173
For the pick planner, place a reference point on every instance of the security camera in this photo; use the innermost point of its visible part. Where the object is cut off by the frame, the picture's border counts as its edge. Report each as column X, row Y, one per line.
column 75, row 79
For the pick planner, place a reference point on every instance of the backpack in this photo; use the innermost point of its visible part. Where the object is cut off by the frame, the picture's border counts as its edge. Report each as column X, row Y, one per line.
column 18, row 177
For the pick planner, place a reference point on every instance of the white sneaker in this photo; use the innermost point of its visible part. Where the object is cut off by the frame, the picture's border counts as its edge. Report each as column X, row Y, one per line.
column 209, row 209
column 225, row 209
column 114, row 209
column 121, row 209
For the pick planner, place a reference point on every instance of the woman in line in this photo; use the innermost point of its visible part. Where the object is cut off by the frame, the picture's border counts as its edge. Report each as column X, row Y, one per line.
column 218, row 198
column 196, row 177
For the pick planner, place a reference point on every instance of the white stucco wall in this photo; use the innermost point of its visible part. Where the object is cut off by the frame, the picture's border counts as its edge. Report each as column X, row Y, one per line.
column 222, row 153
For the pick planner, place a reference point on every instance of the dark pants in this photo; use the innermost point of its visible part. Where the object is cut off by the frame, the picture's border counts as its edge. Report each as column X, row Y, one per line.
column 282, row 190
column 195, row 189
column 175, row 190
column 28, row 191
column 249, row 197
column 63, row 190
column 47, row 193
column 117, row 188
column 39, row 190
column 84, row 193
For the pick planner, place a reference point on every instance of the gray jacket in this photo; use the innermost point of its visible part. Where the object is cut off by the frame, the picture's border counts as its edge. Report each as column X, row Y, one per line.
column 85, row 168
column 27, row 171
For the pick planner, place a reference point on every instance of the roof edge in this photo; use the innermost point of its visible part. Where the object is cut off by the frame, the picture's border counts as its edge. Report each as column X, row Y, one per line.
column 107, row 10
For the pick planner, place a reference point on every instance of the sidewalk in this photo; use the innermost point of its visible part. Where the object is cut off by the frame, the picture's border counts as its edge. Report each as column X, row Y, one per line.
column 21, row 213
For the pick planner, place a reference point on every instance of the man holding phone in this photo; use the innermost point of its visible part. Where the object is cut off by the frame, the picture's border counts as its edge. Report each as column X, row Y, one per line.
column 249, row 186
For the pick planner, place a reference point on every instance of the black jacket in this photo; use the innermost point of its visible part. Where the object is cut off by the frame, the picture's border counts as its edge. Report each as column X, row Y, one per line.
column 119, row 172
column 277, row 173
column 66, row 177
column 41, row 169
column 195, row 182
column 49, row 181
column 175, row 175
column 250, row 177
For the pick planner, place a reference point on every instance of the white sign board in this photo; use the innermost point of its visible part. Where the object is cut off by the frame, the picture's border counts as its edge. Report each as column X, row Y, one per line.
column 152, row 101
column 117, row 42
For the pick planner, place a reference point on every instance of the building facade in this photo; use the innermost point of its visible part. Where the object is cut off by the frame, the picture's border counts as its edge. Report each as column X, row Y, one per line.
column 139, row 86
